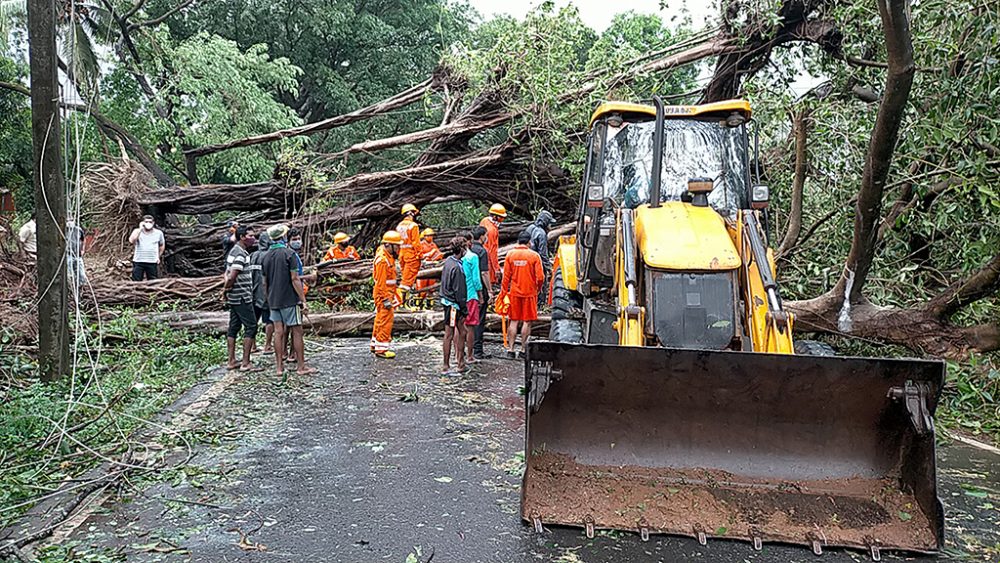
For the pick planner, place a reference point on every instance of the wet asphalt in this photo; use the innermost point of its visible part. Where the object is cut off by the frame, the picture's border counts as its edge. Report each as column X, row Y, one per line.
column 387, row 461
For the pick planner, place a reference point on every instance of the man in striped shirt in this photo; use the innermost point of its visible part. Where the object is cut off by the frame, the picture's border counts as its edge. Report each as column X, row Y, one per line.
column 238, row 292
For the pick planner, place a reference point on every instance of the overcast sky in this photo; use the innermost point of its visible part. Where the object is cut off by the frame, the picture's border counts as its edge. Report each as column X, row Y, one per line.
column 597, row 13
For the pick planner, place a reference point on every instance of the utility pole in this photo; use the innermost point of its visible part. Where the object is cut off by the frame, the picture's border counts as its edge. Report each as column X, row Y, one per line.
column 50, row 194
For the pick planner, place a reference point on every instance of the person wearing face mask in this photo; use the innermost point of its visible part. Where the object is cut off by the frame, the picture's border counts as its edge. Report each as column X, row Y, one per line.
column 259, row 294
column 286, row 299
column 295, row 243
column 149, row 246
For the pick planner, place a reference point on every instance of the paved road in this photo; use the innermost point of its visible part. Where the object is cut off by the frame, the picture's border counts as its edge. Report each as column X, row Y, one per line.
column 340, row 468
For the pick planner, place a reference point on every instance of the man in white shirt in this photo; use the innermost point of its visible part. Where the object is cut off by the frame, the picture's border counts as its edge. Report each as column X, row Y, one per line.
column 27, row 237
column 149, row 246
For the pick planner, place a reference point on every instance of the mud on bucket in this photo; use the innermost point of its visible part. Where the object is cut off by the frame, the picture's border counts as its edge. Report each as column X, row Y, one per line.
column 819, row 451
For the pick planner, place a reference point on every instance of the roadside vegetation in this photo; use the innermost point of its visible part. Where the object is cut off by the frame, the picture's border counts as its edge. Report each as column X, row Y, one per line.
column 54, row 432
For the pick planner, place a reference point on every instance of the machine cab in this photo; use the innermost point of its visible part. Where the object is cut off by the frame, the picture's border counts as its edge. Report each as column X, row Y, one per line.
column 708, row 143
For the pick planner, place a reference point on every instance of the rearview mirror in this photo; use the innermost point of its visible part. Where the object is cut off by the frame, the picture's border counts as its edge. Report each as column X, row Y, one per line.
column 759, row 196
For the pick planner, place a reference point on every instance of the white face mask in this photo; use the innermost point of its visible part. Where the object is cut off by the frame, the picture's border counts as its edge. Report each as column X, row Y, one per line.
column 148, row 225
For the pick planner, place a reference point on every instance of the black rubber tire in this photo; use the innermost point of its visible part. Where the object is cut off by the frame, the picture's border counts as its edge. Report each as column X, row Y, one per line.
column 813, row 348
column 564, row 328
column 567, row 331
column 563, row 299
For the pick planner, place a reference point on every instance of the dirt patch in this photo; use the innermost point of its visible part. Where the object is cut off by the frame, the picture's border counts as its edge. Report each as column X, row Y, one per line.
column 853, row 512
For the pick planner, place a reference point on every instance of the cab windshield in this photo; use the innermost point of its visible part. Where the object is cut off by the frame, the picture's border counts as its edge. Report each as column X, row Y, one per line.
column 692, row 149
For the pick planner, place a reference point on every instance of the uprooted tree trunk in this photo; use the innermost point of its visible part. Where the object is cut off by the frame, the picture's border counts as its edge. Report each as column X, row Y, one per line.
column 845, row 309
column 448, row 167
column 328, row 324
column 204, row 292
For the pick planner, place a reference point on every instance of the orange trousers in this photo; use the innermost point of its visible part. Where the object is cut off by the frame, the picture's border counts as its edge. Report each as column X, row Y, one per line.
column 410, row 267
column 382, row 329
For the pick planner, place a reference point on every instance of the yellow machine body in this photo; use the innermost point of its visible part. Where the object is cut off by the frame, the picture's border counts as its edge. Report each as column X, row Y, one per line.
column 670, row 398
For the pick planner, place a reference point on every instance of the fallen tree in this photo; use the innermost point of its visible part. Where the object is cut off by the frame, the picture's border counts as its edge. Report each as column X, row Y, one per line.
column 205, row 292
column 328, row 324
column 846, row 309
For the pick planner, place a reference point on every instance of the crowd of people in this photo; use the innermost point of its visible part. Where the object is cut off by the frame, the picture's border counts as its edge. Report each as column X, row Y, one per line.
column 265, row 283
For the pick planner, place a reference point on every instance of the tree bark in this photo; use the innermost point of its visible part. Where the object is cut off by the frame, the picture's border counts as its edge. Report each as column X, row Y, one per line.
column 981, row 284
column 800, row 120
column 328, row 324
column 899, row 79
column 916, row 329
column 400, row 100
column 213, row 198
column 50, row 195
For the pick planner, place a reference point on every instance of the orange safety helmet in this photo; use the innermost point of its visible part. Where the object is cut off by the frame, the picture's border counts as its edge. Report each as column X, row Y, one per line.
column 392, row 237
column 498, row 210
column 341, row 237
column 410, row 208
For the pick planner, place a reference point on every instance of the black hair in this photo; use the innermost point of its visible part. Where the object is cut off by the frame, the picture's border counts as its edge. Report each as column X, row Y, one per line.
column 457, row 245
column 524, row 237
column 241, row 231
column 294, row 232
column 466, row 236
column 478, row 231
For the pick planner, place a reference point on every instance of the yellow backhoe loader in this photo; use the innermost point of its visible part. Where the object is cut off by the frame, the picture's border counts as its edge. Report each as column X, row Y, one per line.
column 671, row 397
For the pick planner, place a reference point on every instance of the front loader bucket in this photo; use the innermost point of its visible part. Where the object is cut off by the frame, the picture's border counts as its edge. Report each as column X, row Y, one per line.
column 820, row 451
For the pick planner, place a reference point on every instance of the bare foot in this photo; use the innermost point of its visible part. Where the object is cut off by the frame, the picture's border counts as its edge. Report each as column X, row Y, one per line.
column 232, row 365
column 305, row 370
column 250, row 369
column 268, row 350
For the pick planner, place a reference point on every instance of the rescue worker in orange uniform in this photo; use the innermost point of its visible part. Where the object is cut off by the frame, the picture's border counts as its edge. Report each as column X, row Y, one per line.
column 385, row 293
column 522, row 280
column 492, row 245
column 429, row 252
column 409, row 250
column 340, row 250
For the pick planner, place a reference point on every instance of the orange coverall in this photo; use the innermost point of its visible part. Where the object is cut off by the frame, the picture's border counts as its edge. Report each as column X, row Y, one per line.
column 522, row 280
column 492, row 246
column 409, row 253
column 429, row 252
column 337, row 253
column 384, row 275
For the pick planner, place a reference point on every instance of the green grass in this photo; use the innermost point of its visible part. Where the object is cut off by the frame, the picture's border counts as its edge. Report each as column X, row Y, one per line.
column 970, row 399
column 140, row 370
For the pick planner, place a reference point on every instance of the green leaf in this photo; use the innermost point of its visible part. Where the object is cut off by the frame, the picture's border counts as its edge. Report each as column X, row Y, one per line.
column 905, row 516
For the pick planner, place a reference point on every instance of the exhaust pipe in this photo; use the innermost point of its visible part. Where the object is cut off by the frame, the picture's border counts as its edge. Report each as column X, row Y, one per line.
column 654, row 190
